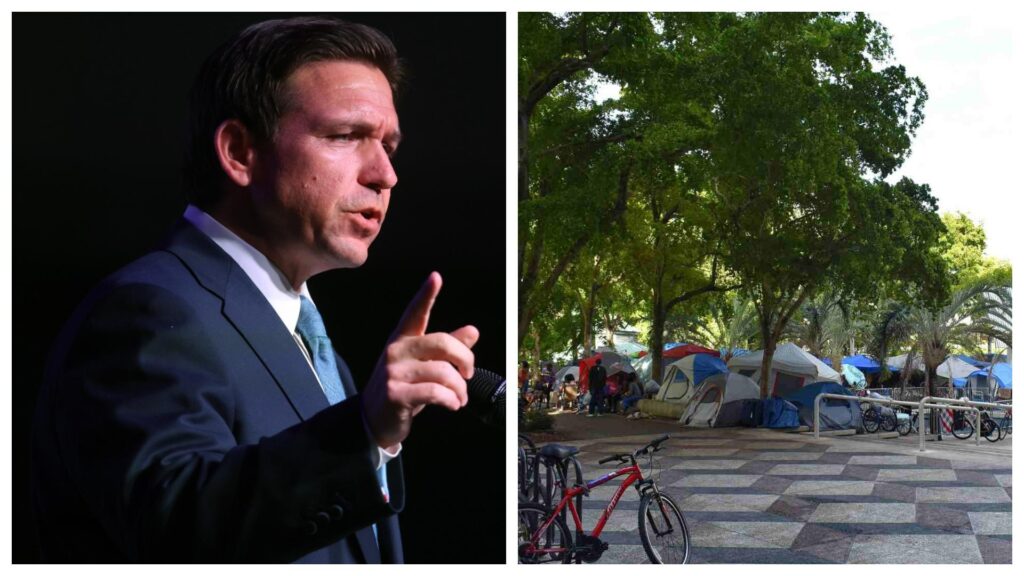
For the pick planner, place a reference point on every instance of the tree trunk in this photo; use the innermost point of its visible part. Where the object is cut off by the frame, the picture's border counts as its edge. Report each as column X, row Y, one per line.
column 766, row 363
column 657, row 337
column 588, row 321
column 587, row 342
column 536, row 351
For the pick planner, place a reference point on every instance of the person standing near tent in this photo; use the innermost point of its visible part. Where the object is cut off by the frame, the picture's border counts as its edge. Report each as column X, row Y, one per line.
column 597, row 376
column 524, row 378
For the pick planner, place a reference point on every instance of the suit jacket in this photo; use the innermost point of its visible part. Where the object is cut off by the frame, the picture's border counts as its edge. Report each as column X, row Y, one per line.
column 178, row 421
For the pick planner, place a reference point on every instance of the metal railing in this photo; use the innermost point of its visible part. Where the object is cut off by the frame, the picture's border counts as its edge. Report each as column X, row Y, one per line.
column 939, row 403
column 954, row 404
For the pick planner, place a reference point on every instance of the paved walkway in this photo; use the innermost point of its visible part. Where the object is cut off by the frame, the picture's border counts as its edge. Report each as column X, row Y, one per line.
column 763, row 496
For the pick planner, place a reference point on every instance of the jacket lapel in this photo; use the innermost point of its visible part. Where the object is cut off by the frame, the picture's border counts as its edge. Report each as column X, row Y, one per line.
column 253, row 317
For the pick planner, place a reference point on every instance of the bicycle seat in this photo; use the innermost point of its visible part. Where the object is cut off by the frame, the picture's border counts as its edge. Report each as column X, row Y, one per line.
column 558, row 452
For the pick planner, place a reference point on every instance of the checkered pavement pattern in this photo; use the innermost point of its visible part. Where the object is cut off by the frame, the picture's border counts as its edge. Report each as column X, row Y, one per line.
column 796, row 502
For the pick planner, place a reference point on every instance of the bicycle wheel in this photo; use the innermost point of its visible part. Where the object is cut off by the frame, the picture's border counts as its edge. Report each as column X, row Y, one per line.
column 903, row 426
column 1005, row 428
column 990, row 430
column 963, row 429
column 536, row 546
column 663, row 531
column 871, row 420
column 888, row 422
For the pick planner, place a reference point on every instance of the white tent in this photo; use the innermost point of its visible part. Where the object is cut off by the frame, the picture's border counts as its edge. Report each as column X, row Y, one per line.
column 792, row 368
column 953, row 368
column 896, row 363
column 719, row 401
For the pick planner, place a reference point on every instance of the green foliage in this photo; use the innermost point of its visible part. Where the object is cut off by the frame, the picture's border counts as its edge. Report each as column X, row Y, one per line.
column 962, row 248
column 975, row 309
column 745, row 148
column 535, row 421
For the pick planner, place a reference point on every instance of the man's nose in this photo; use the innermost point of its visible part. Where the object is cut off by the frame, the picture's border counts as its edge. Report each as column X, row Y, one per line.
column 377, row 171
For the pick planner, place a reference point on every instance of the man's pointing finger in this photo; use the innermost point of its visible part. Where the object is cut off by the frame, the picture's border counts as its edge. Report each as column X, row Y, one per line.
column 417, row 313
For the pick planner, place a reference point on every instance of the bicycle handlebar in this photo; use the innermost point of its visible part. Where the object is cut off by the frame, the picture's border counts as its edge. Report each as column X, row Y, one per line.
column 619, row 457
column 653, row 446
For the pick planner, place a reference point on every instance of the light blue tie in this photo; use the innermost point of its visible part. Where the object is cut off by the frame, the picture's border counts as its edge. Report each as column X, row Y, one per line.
column 311, row 328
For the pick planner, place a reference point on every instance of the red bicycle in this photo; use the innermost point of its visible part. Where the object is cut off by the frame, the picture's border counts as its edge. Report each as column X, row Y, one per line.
column 544, row 535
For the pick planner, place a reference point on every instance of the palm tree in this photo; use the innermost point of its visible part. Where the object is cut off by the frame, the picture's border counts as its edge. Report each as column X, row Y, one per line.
column 892, row 331
column 824, row 328
column 727, row 331
column 997, row 323
column 975, row 309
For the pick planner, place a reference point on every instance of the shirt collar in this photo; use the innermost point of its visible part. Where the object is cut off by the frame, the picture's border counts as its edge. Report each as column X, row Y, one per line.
column 268, row 278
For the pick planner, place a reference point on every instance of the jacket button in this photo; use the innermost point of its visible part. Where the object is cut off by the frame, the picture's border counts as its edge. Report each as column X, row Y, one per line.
column 322, row 518
column 309, row 528
column 336, row 512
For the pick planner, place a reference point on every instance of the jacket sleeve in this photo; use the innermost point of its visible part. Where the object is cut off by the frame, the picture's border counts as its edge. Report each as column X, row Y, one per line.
column 144, row 417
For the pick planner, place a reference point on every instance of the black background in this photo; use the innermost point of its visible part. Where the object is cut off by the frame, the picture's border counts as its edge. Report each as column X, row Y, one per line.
column 99, row 109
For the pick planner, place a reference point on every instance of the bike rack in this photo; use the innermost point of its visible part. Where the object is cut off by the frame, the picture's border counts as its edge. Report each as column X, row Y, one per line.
column 890, row 402
column 955, row 404
column 817, row 405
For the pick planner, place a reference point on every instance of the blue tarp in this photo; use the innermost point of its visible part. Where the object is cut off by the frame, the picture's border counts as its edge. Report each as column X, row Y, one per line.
column 863, row 363
column 1000, row 371
column 780, row 414
column 972, row 361
column 835, row 414
column 672, row 345
column 705, row 365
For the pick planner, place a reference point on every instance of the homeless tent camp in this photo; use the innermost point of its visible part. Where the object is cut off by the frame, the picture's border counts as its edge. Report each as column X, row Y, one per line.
column 835, row 414
column 683, row 376
column 792, row 369
column 720, row 401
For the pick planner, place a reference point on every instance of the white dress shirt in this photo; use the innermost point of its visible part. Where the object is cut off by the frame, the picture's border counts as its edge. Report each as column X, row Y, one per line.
column 269, row 280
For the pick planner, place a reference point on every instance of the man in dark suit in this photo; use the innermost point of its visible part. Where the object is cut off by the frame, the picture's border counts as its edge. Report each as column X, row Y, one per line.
column 193, row 408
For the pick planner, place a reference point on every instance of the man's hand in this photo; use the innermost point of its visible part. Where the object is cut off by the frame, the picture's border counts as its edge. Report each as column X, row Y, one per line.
column 417, row 369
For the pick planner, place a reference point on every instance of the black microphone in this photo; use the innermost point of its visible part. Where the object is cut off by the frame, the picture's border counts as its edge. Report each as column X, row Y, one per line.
column 486, row 392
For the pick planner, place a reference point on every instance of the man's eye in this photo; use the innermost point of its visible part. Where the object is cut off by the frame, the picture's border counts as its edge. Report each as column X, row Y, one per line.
column 342, row 137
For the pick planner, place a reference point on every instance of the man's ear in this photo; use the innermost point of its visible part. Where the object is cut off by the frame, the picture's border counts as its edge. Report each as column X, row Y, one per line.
column 236, row 151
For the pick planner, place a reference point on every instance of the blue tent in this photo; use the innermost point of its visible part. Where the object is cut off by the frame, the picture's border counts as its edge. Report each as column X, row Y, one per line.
column 835, row 414
column 863, row 363
column 779, row 413
column 1000, row 371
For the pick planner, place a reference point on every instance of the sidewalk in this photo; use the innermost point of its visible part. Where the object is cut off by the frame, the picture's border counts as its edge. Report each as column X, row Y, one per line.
column 765, row 496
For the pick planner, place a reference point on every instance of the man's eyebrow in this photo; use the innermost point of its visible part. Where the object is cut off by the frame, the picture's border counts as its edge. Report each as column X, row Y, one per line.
column 393, row 138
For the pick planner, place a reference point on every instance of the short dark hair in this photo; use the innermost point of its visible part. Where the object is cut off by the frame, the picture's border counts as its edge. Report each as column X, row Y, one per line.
column 245, row 79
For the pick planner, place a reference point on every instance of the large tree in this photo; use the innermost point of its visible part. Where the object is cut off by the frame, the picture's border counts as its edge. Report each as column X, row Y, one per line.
column 573, row 175
column 810, row 115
